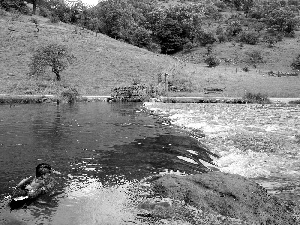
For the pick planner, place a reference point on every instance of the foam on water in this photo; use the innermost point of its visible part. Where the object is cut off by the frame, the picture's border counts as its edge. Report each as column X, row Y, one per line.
column 254, row 141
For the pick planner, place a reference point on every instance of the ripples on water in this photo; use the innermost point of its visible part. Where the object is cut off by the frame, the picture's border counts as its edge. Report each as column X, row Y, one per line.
column 256, row 141
column 106, row 147
column 109, row 147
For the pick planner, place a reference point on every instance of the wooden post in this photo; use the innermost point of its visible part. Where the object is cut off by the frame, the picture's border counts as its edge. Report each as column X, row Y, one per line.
column 166, row 83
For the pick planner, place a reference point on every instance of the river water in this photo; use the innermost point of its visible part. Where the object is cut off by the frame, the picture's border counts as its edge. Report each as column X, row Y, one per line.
column 260, row 142
column 108, row 148
column 105, row 147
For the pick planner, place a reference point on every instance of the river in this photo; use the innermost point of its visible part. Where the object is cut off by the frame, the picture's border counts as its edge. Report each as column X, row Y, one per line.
column 108, row 148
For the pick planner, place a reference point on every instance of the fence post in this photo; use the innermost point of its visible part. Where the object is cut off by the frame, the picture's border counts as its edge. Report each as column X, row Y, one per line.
column 166, row 83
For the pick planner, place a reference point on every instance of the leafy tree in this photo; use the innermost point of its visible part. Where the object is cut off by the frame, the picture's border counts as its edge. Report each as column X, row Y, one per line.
column 176, row 26
column 170, row 36
column 118, row 17
column 282, row 19
column 244, row 5
column 141, row 37
column 53, row 55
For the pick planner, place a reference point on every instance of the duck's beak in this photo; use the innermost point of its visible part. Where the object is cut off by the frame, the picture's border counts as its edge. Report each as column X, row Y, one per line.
column 55, row 172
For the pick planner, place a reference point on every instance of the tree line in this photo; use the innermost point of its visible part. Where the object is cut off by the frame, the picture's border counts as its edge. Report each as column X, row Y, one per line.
column 169, row 29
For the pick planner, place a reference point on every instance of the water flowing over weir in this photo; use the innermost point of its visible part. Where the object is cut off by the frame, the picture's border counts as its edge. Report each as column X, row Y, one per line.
column 261, row 142
column 110, row 148
column 107, row 148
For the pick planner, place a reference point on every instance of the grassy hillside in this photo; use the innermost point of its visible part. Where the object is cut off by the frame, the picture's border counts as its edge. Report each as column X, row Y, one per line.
column 103, row 63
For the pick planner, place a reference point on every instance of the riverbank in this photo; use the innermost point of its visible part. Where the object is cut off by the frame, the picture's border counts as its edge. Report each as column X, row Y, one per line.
column 25, row 99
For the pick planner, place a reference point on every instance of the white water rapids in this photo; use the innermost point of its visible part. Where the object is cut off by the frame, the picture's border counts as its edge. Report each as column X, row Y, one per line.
column 261, row 142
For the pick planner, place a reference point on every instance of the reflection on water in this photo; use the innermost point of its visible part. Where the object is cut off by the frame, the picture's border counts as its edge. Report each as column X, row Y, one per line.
column 104, row 146
column 109, row 147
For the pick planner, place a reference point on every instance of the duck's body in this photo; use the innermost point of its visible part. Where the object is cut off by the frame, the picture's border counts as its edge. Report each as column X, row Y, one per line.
column 29, row 189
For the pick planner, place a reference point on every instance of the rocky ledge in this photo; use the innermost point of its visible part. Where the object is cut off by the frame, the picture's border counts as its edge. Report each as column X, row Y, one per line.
column 218, row 194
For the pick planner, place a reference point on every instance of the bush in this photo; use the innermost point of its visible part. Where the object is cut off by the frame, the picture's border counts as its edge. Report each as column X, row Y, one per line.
column 54, row 18
column 205, row 38
column 69, row 95
column 256, row 98
column 221, row 35
column 44, row 12
column 141, row 37
column 188, row 46
column 153, row 47
column 234, row 28
column 296, row 63
column 18, row 5
column 249, row 37
column 254, row 57
column 180, row 85
column 270, row 40
column 212, row 61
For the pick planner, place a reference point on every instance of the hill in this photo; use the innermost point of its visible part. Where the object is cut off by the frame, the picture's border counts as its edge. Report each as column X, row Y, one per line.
column 103, row 63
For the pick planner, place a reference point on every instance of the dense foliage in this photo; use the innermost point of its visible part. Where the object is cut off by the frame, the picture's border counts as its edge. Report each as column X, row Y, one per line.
column 171, row 28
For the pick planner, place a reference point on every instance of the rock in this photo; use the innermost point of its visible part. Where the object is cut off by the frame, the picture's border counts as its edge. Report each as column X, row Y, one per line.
column 226, row 194
column 156, row 203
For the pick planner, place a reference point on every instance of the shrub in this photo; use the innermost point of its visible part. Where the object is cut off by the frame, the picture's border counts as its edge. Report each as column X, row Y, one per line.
column 246, row 69
column 69, row 95
column 221, row 35
column 54, row 18
column 53, row 55
column 256, row 98
column 296, row 63
column 249, row 37
column 205, row 38
column 44, row 12
column 270, row 40
column 18, row 5
column 154, row 47
column 141, row 37
column 254, row 57
column 180, row 85
column 212, row 61
column 188, row 46
column 234, row 28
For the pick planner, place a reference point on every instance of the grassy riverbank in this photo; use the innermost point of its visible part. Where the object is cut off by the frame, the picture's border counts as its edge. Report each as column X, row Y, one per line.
column 103, row 63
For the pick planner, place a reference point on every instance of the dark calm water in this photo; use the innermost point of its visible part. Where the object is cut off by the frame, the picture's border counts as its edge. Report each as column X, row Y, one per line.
column 103, row 146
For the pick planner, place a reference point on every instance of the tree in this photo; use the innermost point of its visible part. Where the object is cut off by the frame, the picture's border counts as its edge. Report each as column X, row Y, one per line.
column 171, row 36
column 53, row 55
column 176, row 26
column 282, row 19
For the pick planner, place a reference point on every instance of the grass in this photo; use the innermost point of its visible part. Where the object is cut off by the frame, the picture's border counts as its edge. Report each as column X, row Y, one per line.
column 103, row 63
